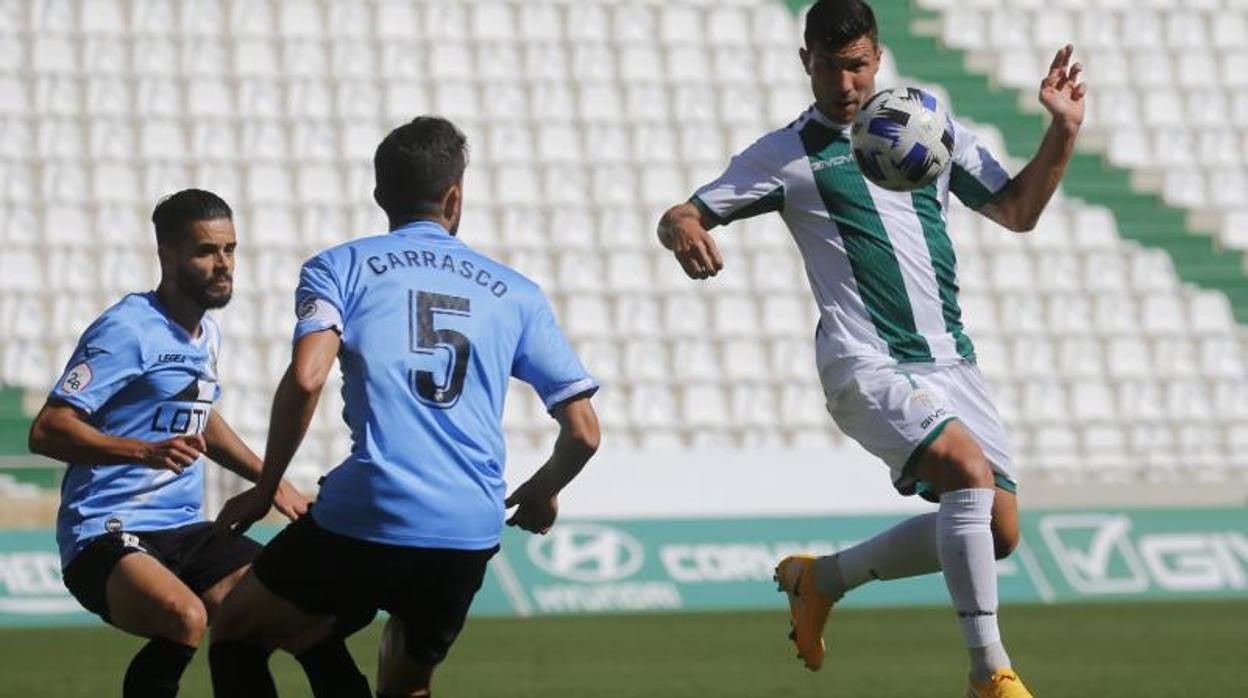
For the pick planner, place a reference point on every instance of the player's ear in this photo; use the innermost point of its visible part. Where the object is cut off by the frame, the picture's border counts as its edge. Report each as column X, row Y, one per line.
column 805, row 56
column 453, row 201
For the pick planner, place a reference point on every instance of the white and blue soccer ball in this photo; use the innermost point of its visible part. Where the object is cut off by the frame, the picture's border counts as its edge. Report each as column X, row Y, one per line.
column 902, row 139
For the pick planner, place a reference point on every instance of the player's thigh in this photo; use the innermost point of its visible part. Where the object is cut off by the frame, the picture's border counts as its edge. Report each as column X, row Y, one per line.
column 953, row 461
column 145, row 598
column 305, row 583
column 253, row 614
column 398, row 673
column 209, row 562
column 214, row 595
column 431, row 593
column 968, row 391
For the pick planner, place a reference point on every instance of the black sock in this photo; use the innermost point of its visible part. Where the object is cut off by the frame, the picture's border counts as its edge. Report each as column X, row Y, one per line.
column 240, row 670
column 426, row 694
column 332, row 671
column 156, row 670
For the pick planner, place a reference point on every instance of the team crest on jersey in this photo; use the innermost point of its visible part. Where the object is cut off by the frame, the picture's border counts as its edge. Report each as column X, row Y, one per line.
column 77, row 379
column 307, row 308
column 925, row 398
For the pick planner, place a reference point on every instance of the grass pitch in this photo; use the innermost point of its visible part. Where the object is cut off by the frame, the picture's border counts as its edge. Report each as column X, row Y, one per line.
column 1107, row 651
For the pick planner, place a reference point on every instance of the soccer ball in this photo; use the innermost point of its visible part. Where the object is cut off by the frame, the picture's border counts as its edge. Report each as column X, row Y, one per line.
column 902, row 139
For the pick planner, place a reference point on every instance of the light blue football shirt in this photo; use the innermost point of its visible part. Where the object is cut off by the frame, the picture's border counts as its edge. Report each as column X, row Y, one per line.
column 136, row 373
column 431, row 333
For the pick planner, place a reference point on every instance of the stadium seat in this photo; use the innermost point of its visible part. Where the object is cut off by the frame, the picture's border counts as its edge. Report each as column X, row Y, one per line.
column 653, row 406
column 103, row 17
column 704, row 406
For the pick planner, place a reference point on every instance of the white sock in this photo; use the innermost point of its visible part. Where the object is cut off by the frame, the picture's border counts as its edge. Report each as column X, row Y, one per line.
column 905, row 550
column 964, row 542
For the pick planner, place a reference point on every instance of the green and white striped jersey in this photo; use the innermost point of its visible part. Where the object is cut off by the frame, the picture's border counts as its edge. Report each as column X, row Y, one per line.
column 880, row 263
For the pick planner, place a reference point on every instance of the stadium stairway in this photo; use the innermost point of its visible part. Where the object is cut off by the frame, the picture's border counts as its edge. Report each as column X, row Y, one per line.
column 910, row 32
column 14, row 423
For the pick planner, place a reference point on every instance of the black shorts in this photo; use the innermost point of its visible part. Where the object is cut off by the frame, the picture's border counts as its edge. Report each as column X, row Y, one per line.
column 325, row 573
column 193, row 553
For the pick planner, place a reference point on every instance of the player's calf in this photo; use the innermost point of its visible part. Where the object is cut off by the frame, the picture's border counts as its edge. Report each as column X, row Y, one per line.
column 240, row 670
column 157, row 669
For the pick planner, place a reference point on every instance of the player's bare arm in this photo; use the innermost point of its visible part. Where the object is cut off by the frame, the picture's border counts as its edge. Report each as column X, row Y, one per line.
column 684, row 231
column 537, row 501
column 61, row 432
column 1025, row 197
column 226, row 448
column 294, row 404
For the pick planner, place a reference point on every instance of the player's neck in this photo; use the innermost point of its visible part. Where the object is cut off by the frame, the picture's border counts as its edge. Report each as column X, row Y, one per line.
column 184, row 311
column 831, row 119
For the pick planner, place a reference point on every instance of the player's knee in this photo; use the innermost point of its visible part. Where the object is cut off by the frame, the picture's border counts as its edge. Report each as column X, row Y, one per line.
column 965, row 471
column 186, row 621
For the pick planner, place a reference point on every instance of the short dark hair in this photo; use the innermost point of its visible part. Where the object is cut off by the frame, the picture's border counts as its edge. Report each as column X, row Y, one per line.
column 416, row 164
column 175, row 212
column 831, row 24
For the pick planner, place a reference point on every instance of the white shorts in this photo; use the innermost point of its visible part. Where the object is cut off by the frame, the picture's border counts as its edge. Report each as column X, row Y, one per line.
column 896, row 410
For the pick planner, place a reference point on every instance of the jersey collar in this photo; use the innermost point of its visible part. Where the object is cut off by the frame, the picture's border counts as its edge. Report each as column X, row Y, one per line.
column 197, row 339
column 425, row 229
column 822, row 119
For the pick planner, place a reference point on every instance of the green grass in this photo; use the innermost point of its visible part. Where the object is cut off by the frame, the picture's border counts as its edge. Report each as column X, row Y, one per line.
column 1109, row 651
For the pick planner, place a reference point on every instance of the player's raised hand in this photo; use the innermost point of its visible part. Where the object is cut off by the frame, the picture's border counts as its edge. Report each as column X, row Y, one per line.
column 536, row 510
column 290, row 502
column 242, row 510
column 174, row 454
column 1061, row 93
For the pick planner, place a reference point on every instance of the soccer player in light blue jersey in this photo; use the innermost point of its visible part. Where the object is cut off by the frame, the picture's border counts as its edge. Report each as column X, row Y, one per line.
column 428, row 334
column 132, row 417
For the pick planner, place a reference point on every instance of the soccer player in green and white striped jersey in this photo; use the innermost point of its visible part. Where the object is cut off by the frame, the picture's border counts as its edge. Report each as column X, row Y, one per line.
column 898, row 371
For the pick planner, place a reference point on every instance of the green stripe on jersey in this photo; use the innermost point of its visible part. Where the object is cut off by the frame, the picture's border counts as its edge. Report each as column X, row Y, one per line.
column 944, row 263
column 968, row 188
column 871, row 256
column 771, row 201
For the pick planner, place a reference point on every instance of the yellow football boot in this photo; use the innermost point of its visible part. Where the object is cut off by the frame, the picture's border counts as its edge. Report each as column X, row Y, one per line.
column 808, row 609
column 1003, row 684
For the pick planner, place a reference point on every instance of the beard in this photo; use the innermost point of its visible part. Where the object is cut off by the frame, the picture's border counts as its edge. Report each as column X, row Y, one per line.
column 202, row 293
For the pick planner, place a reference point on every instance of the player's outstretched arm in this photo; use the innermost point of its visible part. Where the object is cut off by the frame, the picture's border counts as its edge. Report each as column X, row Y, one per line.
column 228, row 449
column 1025, row 197
column 61, row 432
column 536, row 501
column 684, row 231
column 294, row 404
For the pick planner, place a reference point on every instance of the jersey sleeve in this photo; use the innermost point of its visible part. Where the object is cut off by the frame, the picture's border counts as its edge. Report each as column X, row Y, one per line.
column 546, row 361
column 318, row 298
column 109, row 355
column 976, row 176
column 751, row 186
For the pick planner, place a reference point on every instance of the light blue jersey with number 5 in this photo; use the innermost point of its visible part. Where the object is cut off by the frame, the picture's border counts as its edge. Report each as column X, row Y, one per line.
column 431, row 333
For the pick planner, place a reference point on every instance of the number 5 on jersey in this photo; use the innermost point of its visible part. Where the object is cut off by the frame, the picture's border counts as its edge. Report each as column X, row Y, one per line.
column 438, row 389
